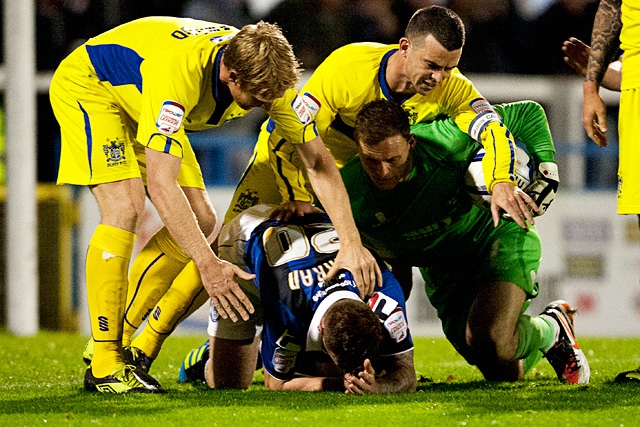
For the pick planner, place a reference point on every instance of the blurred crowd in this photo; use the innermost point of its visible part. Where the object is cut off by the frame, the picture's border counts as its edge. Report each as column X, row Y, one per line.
column 503, row 36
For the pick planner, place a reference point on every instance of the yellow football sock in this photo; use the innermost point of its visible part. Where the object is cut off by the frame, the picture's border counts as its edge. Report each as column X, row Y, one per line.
column 108, row 259
column 151, row 274
column 184, row 297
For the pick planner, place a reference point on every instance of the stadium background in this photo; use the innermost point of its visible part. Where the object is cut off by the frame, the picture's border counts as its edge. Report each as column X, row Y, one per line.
column 591, row 256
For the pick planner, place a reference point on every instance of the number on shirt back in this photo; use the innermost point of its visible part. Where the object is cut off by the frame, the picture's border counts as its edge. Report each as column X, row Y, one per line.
column 287, row 243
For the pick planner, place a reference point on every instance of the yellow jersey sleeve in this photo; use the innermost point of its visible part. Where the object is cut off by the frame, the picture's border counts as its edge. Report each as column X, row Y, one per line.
column 164, row 105
column 292, row 118
column 290, row 123
column 345, row 81
column 474, row 115
column 484, row 125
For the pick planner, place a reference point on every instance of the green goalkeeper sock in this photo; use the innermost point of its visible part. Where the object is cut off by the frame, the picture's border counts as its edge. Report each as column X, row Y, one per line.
column 536, row 336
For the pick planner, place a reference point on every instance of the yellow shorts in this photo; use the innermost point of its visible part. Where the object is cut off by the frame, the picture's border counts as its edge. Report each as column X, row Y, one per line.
column 629, row 166
column 98, row 139
column 258, row 184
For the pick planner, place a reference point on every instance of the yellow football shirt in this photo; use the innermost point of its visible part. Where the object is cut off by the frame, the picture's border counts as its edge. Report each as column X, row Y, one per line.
column 630, row 44
column 354, row 75
column 628, row 124
column 164, row 74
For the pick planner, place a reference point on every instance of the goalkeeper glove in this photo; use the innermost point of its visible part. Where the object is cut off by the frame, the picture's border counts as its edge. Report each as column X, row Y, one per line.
column 544, row 186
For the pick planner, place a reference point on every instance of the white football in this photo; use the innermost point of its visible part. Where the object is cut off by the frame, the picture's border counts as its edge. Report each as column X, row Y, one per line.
column 476, row 185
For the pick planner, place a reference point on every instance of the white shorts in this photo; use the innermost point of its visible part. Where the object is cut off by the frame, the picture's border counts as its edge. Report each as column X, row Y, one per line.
column 242, row 329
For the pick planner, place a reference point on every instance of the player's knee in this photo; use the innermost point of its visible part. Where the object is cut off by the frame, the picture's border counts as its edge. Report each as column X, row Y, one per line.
column 233, row 363
column 491, row 345
column 126, row 212
column 137, row 207
column 503, row 372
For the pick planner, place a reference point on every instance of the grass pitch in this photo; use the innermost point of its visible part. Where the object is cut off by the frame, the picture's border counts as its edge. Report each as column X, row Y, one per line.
column 41, row 385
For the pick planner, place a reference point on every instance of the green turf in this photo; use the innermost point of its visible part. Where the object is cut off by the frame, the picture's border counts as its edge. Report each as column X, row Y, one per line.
column 41, row 385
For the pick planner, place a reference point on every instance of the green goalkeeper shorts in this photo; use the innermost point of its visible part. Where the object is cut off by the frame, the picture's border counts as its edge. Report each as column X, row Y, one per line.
column 506, row 254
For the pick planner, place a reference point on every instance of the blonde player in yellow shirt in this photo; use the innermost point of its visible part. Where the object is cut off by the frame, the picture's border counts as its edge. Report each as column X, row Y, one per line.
column 125, row 101
column 617, row 21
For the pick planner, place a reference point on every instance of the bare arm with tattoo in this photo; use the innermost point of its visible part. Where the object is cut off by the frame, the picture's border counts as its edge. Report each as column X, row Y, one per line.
column 604, row 41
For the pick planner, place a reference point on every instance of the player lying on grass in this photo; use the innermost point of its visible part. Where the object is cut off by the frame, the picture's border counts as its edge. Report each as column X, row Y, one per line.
column 408, row 198
column 316, row 335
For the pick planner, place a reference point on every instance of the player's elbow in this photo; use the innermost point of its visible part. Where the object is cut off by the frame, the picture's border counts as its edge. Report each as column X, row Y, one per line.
column 270, row 383
column 156, row 188
column 412, row 383
column 402, row 374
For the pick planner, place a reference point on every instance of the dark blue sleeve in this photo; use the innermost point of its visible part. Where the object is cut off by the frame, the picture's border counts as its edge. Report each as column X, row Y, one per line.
column 389, row 305
column 280, row 346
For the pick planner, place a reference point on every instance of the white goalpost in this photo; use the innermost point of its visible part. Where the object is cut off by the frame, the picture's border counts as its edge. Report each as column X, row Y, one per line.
column 21, row 247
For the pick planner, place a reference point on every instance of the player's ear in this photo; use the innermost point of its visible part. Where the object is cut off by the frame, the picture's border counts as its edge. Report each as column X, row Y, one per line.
column 412, row 142
column 404, row 46
column 321, row 326
column 233, row 76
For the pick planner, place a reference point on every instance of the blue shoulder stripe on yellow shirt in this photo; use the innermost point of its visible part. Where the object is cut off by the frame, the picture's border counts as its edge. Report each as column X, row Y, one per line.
column 271, row 125
column 382, row 80
column 512, row 153
column 167, row 144
column 171, row 141
column 221, row 93
column 116, row 64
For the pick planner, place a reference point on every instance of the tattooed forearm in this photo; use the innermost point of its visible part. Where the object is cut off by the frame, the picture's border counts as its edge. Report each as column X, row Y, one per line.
column 604, row 38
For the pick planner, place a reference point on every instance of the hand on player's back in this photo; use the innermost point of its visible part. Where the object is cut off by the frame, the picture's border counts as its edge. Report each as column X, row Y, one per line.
column 362, row 265
column 226, row 295
column 285, row 211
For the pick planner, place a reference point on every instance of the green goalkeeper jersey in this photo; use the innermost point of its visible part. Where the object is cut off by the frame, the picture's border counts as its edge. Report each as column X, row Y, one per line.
column 430, row 206
column 431, row 210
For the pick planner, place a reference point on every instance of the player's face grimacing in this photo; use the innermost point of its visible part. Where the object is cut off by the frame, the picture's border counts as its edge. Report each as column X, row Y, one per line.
column 428, row 63
column 388, row 162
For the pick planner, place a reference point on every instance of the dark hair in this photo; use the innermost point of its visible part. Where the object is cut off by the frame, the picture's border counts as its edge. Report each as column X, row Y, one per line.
column 379, row 120
column 352, row 333
column 442, row 23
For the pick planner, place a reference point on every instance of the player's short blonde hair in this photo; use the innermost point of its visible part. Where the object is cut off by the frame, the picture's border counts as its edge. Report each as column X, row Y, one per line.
column 263, row 59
